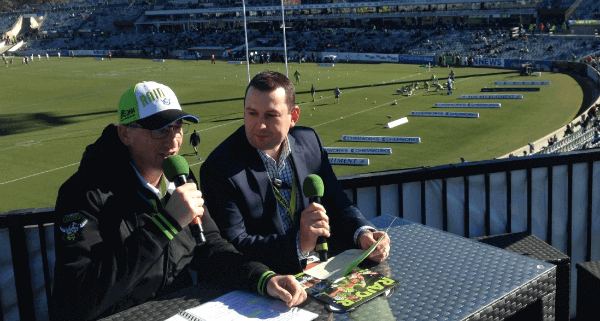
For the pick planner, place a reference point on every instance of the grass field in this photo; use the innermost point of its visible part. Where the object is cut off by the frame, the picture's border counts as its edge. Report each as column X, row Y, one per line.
column 51, row 110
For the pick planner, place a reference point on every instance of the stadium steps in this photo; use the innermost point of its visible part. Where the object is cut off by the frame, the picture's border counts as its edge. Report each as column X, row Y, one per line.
column 570, row 142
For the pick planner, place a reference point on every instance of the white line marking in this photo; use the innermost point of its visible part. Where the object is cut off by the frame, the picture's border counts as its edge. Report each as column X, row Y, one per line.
column 364, row 110
column 51, row 170
column 360, row 112
column 51, row 138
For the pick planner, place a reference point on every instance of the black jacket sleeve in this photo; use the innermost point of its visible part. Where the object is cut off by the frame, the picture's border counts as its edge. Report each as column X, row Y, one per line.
column 218, row 261
column 111, row 255
column 100, row 258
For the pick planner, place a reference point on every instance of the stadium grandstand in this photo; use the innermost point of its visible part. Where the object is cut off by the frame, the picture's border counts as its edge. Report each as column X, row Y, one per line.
column 534, row 35
column 538, row 30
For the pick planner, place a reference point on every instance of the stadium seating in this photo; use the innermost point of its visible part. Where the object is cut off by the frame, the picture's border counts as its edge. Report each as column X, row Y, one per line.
column 443, row 39
column 571, row 142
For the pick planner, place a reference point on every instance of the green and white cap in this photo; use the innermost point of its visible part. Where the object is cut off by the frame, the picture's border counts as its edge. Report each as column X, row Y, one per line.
column 152, row 105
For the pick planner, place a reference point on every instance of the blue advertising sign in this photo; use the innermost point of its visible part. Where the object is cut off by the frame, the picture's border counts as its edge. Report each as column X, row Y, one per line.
column 416, row 59
column 492, row 62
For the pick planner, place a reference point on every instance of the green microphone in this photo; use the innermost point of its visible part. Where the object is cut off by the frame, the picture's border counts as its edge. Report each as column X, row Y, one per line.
column 313, row 188
column 176, row 170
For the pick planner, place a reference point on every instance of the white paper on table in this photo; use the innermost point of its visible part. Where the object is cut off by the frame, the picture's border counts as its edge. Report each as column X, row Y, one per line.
column 335, row 266
column 341, row 264
column 239, row 305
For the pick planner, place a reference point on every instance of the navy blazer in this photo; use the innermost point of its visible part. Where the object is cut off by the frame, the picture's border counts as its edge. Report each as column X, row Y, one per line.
column 239, row 197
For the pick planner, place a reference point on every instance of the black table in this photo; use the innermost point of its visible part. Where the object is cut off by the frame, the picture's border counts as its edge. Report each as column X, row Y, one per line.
column 442, row 277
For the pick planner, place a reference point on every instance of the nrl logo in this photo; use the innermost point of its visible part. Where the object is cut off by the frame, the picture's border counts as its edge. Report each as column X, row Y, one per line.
column 166, row 101
column 71, row 232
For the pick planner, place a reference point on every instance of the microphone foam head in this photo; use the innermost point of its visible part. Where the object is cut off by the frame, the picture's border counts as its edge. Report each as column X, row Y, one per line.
column 313, row 186
column 174, row 166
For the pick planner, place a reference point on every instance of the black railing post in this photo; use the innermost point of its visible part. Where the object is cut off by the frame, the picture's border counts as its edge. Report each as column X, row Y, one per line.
column 508, row 202
column 20, row 263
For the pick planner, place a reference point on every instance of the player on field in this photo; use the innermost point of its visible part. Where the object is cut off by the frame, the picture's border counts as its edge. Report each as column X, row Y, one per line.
column 337, row 93
column 195, row 140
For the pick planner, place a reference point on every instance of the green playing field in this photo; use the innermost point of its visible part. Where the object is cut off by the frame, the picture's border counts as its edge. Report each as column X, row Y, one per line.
column 51, row 110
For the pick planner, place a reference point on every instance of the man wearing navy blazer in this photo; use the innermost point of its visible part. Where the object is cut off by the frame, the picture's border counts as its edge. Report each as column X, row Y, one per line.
column 252, row 185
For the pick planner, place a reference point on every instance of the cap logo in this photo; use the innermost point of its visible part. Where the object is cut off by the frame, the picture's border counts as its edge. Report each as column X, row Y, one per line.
column 151, row 96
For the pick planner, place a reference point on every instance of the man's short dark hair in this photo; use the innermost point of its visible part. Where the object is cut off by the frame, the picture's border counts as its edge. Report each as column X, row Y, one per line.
column 268, row 81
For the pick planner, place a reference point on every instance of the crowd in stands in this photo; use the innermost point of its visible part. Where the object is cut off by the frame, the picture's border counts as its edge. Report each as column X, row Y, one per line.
column 90, row 25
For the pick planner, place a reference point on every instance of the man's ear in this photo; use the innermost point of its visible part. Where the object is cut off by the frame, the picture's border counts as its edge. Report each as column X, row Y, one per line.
column 295, row 116
column 124, row 134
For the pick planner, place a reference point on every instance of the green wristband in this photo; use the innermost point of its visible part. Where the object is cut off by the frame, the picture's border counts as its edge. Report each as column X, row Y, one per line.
column 263, row 281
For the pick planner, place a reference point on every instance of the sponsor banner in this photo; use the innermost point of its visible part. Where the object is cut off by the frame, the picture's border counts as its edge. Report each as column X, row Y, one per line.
column 543, row 65
column 186, row 57
column 467, row 105
column 100, row 52
column 522, row 83
column 380, row 57
column 357, row 56
column 492, row 62
column 236, row 62
column 415, row 59
column 349, row 161
column 325, row 64
column 584, row 22
column 444, row 114
column 380, row 139
column 397, row 122
column 515, row 96
column 98, row 58
column 486, row 89
column 357, row 150
column 158, row 60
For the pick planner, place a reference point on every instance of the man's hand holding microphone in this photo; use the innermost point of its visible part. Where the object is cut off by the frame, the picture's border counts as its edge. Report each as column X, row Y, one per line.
column 314, row 225
column 187, row 206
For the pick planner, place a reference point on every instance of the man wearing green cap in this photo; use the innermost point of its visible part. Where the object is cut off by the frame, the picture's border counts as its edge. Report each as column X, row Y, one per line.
column 253, row 185
column 122, row 230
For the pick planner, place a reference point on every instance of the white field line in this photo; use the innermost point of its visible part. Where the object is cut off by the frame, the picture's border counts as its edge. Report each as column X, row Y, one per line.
column 32, row 175
column 329, row 97
column 51, row 138
column 365, row 110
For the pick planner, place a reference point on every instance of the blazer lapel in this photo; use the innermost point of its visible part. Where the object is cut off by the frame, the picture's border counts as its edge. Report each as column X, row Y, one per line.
column 299, row 159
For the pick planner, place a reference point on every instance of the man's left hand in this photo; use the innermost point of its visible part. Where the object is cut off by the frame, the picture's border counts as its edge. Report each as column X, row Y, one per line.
column 286, row 288
column 382, row 251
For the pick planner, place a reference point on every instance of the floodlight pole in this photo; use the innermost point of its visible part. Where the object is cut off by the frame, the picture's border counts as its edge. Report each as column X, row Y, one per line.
column 246, row 37
column 284, row 42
